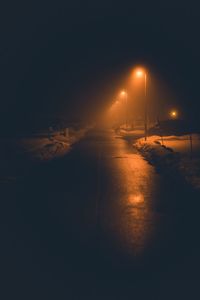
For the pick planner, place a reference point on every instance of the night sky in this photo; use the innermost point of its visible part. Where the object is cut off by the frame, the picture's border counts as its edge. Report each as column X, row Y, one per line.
column 62, row 58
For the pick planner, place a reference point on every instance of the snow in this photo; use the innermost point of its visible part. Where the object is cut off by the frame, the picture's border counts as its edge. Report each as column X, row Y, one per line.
column 49, row 147
column 131, row 133
column 17, row 155
column 173, row 154
column 43, row 148
column 182, row 144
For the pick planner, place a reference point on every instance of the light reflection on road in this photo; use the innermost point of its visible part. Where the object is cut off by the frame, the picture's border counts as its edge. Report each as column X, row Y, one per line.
column 136, row 199
column 138, row 220
column 134, row 184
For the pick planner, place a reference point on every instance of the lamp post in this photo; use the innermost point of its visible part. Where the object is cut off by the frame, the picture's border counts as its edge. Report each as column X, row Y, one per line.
column 125, row 95
column 142, row 73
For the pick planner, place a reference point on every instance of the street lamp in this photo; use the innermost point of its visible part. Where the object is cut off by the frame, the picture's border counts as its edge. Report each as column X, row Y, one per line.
column 124, row 94
column 141, row 73
column 173, row 114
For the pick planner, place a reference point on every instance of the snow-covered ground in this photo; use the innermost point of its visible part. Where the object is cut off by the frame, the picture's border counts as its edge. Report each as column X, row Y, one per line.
column 49, row 146
column 137, row 133
column 42, row 149
column 174, row 154
column 17, row 155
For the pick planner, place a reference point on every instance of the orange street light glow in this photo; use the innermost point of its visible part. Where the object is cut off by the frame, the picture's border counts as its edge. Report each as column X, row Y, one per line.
column 173, row 114
column 140, row 72
column 123, row 93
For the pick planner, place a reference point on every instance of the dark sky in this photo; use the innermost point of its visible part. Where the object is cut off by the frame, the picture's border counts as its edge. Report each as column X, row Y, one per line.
column 66, row 57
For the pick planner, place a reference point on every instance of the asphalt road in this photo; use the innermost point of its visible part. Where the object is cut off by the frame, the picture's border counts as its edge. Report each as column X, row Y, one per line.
column 99, row 223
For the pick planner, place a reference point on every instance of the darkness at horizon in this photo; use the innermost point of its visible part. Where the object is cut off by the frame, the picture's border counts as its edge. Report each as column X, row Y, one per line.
column 68, row 59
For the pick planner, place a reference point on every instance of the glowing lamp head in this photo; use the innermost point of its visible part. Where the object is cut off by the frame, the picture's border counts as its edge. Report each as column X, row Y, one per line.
column 139, row 73
column 123, row 93
column 173, row 114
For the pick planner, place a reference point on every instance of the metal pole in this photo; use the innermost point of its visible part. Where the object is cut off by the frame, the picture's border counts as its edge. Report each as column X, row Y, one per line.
column 145, row 109
column 191, row 146
column 126, row 109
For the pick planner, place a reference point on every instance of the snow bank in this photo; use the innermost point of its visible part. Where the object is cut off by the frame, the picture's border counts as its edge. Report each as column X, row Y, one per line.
column 137, row 133
column 47, row 148
column 39, row 148
column 156, row 153
column 172, row 155
column 18, row 155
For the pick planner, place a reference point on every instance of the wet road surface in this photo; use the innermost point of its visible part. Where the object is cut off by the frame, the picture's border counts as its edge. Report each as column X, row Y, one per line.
column 99, row 223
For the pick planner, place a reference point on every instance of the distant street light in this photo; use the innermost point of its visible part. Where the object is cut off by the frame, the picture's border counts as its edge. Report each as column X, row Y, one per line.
column 141, row 73
column 173, row 114
column 124, row 94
